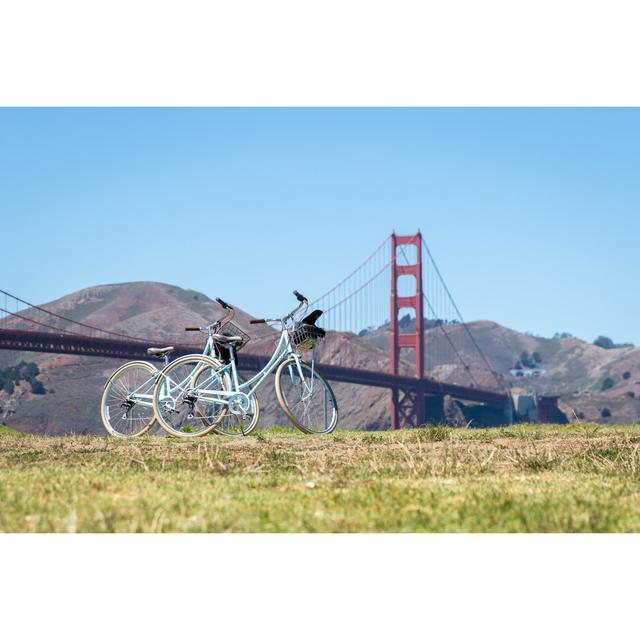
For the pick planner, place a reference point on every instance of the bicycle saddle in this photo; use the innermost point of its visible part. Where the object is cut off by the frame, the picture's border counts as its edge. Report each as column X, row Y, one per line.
column 159, row 352
column 226, row 339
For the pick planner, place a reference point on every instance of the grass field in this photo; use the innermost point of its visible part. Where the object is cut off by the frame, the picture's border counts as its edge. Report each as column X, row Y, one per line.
column 525, row 478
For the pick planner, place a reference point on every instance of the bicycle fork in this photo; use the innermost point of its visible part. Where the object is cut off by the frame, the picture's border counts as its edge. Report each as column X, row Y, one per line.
column 307, row 388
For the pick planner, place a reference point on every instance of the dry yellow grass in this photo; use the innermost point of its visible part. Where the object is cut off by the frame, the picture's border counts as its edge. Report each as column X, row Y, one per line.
column 526, row 478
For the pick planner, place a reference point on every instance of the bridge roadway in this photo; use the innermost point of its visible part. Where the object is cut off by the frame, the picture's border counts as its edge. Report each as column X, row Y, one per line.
column 48, row 342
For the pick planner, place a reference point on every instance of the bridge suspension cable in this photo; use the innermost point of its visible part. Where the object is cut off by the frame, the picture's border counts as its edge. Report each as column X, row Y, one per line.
column 37, row 322
column 359, row 302
column 37, row 315
column 458, row 315
column 440, row 320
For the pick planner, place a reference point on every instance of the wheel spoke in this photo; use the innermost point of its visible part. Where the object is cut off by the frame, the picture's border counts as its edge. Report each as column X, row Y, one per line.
column 181, row 411
column 123, row 414
column 307, row 398
column 240, row 424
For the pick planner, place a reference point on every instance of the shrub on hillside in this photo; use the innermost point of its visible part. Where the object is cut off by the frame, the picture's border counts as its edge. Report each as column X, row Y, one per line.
column 626, row 375
column 607, row 383
column 37, row 387
column 526, row 360
column 26, row 371
column 607, row 343
column 10, row 377
column 605, row 413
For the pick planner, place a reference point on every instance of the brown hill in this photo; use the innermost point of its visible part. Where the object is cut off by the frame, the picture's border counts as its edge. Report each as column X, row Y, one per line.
column 574, row 369
column 589, row 379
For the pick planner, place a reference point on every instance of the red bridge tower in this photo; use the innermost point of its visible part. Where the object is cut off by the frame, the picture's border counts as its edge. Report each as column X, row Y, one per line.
column 407, row 405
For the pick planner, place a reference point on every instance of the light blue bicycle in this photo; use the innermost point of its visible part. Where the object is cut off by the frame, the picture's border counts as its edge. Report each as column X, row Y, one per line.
column 196, row 394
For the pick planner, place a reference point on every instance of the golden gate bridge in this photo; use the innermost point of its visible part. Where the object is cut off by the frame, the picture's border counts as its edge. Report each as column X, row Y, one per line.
column 395, row 299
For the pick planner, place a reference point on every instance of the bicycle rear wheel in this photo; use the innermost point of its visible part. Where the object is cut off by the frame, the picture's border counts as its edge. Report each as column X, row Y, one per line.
column 190, row 396
column 126, row 407
column 306, row 397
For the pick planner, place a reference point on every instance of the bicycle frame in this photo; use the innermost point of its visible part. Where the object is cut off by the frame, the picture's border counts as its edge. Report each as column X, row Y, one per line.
column 284, row 350
column 146, row 399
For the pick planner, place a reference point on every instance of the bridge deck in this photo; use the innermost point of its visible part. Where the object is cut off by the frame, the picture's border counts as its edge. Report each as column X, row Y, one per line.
column 18, row 340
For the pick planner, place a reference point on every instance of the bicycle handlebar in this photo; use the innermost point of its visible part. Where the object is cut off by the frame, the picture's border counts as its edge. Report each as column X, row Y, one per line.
column 231, row 312
column 301, row 299
column 223, row 304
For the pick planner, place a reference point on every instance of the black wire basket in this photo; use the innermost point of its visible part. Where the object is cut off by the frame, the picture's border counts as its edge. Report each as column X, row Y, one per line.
column 230, row 329
column 305, row 336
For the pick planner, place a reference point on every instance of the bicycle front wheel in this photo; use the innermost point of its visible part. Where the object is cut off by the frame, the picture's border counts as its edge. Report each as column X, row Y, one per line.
column 126, row 407
column 306, row 397
column 191, row 396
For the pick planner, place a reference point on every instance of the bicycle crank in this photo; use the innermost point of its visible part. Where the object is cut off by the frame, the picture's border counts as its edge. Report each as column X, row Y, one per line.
column 239, row 404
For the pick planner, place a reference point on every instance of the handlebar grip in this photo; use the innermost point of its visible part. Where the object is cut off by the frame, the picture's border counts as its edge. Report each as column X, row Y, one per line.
column 257, row 321
column 223, row 304
column 192, row 328
column 299, row 296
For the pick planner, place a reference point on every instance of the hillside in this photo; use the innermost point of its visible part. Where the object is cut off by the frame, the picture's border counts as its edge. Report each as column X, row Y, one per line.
column 576, row 370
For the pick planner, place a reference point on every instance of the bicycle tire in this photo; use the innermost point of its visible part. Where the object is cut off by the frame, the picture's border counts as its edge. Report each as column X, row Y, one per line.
column 281, row 395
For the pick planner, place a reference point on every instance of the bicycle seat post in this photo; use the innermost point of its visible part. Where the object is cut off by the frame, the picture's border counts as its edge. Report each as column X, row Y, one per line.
column 234, row 370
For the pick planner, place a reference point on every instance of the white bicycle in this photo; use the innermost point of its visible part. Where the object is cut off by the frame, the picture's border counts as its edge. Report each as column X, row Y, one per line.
column 127, row 400
column 196, row 394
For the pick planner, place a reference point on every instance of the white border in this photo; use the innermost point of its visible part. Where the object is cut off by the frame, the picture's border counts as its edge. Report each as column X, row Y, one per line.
column 319, row 586
column 338, row 52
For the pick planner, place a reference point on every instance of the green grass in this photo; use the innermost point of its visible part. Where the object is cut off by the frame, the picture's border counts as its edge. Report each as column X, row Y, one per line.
column 8, row 431
column 525, row 478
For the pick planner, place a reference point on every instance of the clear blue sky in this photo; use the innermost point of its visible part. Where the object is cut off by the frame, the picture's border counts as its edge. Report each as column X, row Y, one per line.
column 532, row 214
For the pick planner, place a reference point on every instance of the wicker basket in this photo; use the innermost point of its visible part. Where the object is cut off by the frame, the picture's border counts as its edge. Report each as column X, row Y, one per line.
column 305, row 336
